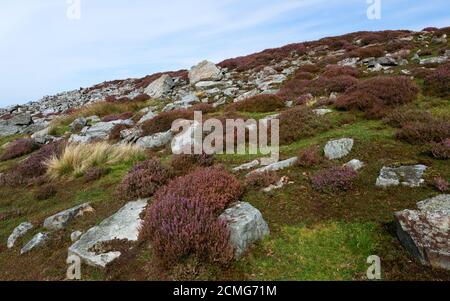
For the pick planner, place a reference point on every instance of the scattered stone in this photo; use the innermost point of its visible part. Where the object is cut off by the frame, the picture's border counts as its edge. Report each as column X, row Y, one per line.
column 18, row 232
column 124, row 225
column 276, row 166
column 75, row 236
column 337, row 149
column 204, row 71
column 322, row 112
column 148, row 116
column 246, row 226
column 410, row 176
column 160, row 87
column 37, row 241
column 247, row 166
column 60, row 220
column 21, row 119
column 42, row 136
column 434, row 60
column 280, row 184
column 425, row 233
column 155, row 141
column 355, row 164
column 349, row 62
column 78, row 124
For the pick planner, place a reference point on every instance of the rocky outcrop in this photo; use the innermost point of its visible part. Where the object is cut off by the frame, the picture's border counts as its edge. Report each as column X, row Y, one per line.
column 204, row 71
column 124, row 225
column 410, row 176
column 18, row 232
column 97, row 132
column 246, row 226
column 425, row 233
column 60, row 220
column 160, row 87
column 337, row 149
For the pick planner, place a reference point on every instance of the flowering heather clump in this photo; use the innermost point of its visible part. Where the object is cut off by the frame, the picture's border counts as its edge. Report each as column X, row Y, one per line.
column 163, row 122
column 364, row 53
column 213, row 185
column 143, row 180
column 336, row 70
column 310, row 68
column 261, row 180
column 434, row 130
column 441, row 150
column 309, row 157
column 300, row 122
column 334, row 179
column 400, row 117
column 122, row 116
column 141, row 97
column 325, row 85
column 184, row 164
column 205, row 108
column 19, row 148
column 437, row 83
column 178, row 228
column 293, row 88
column 304, row 75
column 441, row 185
column 260, row 103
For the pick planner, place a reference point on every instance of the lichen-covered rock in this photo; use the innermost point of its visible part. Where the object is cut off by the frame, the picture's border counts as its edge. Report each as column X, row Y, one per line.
column 204, row 71
column 124, row 225
column 410, row 176
column 337, row 149
column 37, row 241
column 425, row 233
column 246, row 226
column 18, row 232
column 160, row 87
column 60, row 220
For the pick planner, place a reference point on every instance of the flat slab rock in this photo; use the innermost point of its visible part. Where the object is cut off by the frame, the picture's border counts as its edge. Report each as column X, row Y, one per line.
column 246, row 226
column 410, row 176
column 60, row 220
column 124, row 225
column 276, row 166
column 425, row 233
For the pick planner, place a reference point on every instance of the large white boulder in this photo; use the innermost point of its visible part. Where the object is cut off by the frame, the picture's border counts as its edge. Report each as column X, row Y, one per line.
column 337, row 149
column 160, row 87
column 204, row 71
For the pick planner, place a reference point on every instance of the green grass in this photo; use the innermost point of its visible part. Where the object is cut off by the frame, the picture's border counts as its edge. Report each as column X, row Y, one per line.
column 332, row 251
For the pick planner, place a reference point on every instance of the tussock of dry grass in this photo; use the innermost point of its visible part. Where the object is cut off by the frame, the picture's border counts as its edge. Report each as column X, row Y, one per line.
column 77, row 158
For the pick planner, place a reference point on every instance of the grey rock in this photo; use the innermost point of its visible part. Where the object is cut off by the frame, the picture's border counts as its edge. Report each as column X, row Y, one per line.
column 60, row 220
column 355, row 164
column 18, row 232
column 7, row 129
column 246, row 226
column 410, row 176
column 21, row 119
column 160, row 87
column 247, row 166
column 276, row 166
column 130, row 135
column 123, row 225
column 75, row 236
column 434, row 60
column 148, row 116
column 37, row 241
column 349, row 62
column 425, row 233
column 322, row 112
column 155, row 141
column 204, row 71
column 337, row 149
column 78, row 124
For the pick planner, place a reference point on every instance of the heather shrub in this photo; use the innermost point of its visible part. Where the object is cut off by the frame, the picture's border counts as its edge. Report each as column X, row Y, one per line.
column 19, row 148
column 261, row 103
column 213, row 185
column 441, row 150
column 434, row 130
column 437, row 83
column 184, row 164
column 77, row 158
column 399, row 117
column 300, row 122
column 309, row 157
column 178, row 228
column 95, row 173
column 163, row 121
column 325, row 85
column 310, row 68
column 292, row 89
column 45, row 192
column 143, row 180
column 261, row 179
column 366, row 52
column 302, row 75
column 441, row 184
column 121, row 116
column 141, row 97
column 334, row 179
column 205, row 108
column 336, row 70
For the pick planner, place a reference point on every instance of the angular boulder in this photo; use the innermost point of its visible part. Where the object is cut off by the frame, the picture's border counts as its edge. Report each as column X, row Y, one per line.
column 18, row 232
column 124, row 225
column 160, row 87
column 60, row 220
column 155, row 141
column 78, row 124
column 21, row 119
column 204, row 71
column 410, row 176
column 425, row 233
column 337, row 149
column 246, row 226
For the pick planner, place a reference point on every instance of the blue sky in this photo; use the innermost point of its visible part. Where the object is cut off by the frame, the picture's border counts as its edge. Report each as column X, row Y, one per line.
column 43, row 52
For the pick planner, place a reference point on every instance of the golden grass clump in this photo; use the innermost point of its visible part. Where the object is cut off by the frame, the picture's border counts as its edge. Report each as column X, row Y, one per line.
column 78, row 158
